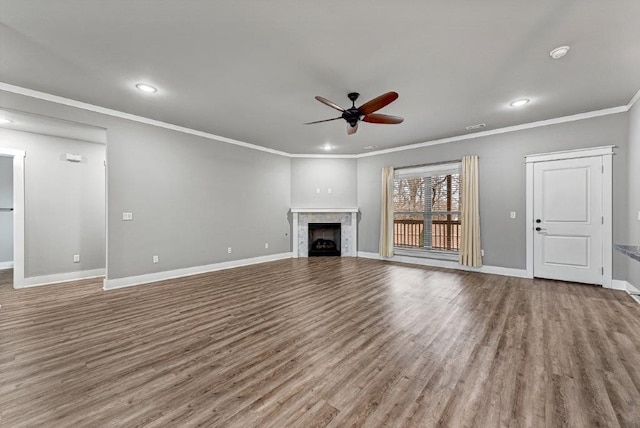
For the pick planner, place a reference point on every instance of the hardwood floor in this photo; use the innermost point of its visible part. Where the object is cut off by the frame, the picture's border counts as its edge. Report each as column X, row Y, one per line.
column 320, row 342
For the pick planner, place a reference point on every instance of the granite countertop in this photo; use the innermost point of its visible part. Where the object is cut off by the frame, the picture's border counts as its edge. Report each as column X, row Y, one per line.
column 632, row 251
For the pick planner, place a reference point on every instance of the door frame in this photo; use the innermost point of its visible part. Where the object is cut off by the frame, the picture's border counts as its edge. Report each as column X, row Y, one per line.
column 18, row 214
column 606, row 153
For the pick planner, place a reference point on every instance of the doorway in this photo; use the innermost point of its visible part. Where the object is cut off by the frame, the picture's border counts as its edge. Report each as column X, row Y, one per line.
column 569, row 216
column 16, row 211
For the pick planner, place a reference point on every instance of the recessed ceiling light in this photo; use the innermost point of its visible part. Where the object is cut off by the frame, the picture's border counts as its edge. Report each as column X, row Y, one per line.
column 327, row 147
column 558, row 53
column 371, row 147
column 4, row 120
column 519, row 103
column 146, row 88
column 478, row 126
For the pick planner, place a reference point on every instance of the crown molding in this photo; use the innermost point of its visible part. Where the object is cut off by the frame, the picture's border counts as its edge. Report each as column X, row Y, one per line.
column 128, row 116
column 633, row 100
column 531, row 125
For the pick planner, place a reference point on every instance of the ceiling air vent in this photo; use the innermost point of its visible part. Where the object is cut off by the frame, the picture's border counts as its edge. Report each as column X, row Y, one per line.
column 478, row 126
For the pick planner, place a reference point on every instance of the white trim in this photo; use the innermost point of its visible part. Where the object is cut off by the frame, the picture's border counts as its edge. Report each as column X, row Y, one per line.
column 128, row 116
column 529, row 224
column 632, row 288
column 110, row 284
column 607, row 212
column 6, row 265
column 606, row 153
column 324, row 210
column 495, row 270
column 538, row 124
column 18, row 214
column 57, row 278
column 115, row 113
column 618, row 284
column 571, row 154
column 633, row 100
column 312, row 156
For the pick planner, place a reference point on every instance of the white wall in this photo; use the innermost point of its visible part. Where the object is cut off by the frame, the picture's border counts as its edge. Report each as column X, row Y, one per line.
column 64, row 203
column 6, row 217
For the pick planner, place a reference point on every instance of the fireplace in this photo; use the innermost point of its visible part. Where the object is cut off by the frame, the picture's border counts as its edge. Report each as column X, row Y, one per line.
column 324, row 239
column 348, row 231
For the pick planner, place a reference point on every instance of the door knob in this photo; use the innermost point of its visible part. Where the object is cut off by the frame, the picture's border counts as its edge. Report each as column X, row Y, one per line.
column 538, row 220
column 539, row 229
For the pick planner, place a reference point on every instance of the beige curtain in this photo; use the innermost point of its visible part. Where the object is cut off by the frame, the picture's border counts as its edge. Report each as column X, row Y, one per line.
column 386, row 213
column 470, row 214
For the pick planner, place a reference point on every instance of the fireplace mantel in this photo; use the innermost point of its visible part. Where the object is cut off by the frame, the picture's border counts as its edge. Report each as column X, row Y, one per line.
column 347, row 217
column 324, row 210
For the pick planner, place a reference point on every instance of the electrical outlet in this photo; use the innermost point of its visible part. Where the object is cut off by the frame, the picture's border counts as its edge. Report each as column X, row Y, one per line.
column 155, row 259
column 512, row 214
column 76, row 258
column 638, row 215
column 266, row 245
column 127, row 216
column 482, row 253
column 229, row 250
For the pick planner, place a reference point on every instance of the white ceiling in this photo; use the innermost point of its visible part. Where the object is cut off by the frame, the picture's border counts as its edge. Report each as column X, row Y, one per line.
column 249, row 69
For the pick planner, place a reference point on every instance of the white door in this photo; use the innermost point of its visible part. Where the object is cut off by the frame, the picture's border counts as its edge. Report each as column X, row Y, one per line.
column 568, row 222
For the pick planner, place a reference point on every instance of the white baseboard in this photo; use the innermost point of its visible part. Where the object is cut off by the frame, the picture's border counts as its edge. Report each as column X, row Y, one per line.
column 618, row 284
column 496, row 270
column 6, row 265
column 111, row 284
column 35, row 281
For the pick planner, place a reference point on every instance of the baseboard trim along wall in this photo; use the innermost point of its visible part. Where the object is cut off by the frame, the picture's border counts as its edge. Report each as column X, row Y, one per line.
column 496, row 270
column 6, row 265
column 36, row 281
column 111, row 284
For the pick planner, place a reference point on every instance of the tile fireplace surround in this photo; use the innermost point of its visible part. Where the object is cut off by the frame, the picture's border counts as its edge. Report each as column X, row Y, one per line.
column 347, row 217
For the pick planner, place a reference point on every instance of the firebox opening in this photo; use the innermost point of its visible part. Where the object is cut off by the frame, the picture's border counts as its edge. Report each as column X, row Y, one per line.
column 324, row 239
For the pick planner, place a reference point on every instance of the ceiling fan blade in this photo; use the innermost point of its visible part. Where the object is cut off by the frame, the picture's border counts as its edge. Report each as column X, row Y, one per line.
column 329, row 103
column 382, row 118
column 351, row 129
column 326, row 120
column 377, row 103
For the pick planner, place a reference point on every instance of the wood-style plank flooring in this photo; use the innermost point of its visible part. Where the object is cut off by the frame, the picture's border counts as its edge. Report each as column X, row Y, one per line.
column 320, row 342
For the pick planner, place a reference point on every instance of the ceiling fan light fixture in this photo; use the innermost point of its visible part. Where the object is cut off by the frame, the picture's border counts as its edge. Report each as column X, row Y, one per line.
column 146, row 88
column 519, row 103
column 559, row 52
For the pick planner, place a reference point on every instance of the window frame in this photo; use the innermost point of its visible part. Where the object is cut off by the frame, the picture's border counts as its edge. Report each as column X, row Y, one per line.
column 429, row 170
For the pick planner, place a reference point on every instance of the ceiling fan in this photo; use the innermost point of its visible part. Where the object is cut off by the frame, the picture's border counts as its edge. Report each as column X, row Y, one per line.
column 365, row 112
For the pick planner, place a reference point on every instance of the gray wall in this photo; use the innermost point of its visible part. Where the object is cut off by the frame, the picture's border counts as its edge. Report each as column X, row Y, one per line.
column 6, row 201
column 502, row 182
column 309, row 174
column 633, row 164
column 64, row 203
column 191, row 197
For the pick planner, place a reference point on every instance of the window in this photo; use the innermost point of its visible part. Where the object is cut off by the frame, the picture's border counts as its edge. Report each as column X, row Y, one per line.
column 426, row 204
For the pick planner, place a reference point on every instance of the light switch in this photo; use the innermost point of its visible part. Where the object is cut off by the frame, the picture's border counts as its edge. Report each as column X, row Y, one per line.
column 317, row 190
column 638, row 215
column 127, row 216
column 329, row 190
column 512, row 214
